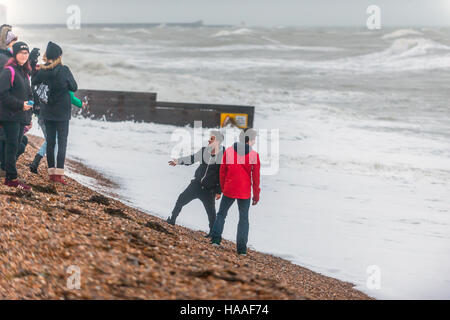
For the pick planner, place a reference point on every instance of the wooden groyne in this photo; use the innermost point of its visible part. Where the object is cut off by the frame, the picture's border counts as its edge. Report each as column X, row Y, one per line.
column 144, row 107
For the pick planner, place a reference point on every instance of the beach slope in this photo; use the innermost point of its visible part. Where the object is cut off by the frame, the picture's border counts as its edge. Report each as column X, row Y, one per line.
column 54, row 236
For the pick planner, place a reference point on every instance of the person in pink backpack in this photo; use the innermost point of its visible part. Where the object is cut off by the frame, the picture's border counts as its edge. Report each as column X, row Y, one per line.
column 15, row 108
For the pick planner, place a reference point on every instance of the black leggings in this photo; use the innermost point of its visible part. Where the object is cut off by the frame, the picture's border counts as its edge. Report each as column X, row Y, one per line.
column 53, row 128
column 13, row 136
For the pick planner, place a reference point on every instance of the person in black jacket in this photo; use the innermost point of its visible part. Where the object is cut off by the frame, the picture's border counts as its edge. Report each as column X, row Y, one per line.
column 7, row 40
column 15, row 113
column 58, row 111
column 205, row 185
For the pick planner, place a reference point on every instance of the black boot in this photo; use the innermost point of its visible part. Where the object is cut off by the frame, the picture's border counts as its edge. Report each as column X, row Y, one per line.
column 35, row 164
column 209, row 235
column 170, row 221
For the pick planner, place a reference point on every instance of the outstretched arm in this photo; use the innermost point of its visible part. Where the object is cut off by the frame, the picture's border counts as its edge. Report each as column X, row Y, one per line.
column 189, row 160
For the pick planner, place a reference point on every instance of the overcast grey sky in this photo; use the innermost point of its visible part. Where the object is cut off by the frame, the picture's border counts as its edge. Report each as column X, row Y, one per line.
column 253, row 12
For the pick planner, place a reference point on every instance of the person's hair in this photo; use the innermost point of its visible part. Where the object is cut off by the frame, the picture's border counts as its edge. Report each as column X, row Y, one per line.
column 13, row 62
column 51, row 65
column 247, row 135
column 218, row 135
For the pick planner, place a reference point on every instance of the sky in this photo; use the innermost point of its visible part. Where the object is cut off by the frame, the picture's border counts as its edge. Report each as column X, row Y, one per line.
column 251, row 12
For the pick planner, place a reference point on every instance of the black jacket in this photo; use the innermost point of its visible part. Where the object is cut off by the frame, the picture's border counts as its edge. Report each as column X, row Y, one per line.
column 5, row 55
column 208, row 171
column 60, row 81
column 13, row 98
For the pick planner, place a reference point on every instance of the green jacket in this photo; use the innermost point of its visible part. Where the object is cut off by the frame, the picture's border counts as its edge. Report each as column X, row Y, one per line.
column 75, row 101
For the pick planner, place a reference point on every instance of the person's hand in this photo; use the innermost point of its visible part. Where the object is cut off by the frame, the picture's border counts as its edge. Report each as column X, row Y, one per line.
column 173, row 163
column 27, row 106
column 218, row 196
column 30, row 126
column 255, row 202
column 34, row 55
column 84, row 105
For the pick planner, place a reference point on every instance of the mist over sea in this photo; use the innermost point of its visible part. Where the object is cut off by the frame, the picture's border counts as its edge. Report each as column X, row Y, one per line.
column 364, row 120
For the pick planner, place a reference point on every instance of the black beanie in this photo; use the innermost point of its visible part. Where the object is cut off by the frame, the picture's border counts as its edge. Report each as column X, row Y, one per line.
column 53, row 51
column 19, row 46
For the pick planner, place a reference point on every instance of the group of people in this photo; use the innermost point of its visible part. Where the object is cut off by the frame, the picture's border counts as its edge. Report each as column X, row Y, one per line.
column 231, row 174
column 47, row 90
column 27, row 88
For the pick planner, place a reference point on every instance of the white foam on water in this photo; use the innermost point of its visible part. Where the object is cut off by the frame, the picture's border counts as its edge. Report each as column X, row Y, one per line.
column 402, row 33
column 236, row 32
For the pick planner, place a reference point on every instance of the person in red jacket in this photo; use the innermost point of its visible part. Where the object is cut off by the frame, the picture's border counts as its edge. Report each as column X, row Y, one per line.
column 239, row 174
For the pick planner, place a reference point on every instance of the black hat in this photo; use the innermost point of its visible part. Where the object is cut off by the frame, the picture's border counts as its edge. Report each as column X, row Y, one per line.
column 19, row 46
column 53, row 51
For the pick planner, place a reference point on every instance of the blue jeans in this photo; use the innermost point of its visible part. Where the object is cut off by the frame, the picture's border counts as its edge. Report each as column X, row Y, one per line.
column 43, row 150
column 243, row 225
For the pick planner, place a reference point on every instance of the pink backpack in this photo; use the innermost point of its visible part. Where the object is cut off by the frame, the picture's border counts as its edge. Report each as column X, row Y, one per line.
column 13, row 74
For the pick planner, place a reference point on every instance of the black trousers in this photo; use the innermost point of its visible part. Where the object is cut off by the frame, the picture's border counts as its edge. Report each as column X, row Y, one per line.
column 22, row 147
column 53, row 128
column 195, row 191
column 13, row 137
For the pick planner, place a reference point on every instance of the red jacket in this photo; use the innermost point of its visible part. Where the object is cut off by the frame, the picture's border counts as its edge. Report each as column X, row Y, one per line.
column 239, row 172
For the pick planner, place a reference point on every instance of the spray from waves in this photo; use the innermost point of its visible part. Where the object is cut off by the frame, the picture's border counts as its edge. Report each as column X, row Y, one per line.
column 139, row 31
column 404, row 54
column 402, row 51
column 237, row 32
column 414, row 46
column 270, row 40
column 109, row 29
column 402, row 33
column 271, row 47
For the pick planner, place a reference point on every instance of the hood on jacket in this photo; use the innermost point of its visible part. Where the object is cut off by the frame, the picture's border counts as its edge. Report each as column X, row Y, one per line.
column 242, row 149
column 53, row 65
column 3, row 34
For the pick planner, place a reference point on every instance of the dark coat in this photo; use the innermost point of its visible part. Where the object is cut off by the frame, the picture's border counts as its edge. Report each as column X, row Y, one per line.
column 12, row 98
column 208, row 171
column 60, row 81
column 5, row 55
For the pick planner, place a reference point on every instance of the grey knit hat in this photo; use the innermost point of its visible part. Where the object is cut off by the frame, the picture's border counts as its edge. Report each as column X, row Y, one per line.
column 10, row 37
